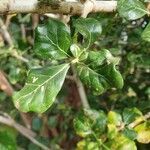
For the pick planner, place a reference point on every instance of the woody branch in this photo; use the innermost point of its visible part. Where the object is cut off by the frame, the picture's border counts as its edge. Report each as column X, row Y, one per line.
column 68, row 7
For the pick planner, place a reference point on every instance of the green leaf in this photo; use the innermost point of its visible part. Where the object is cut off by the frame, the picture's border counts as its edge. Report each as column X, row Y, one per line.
column 114, row 118
column 82, row 126
column 122, row 143
column 143, row 132
column 41, row 88
column 130, row 114
column 75, row 50
column 52, row 40
column 83, row 56
column 129, row 133
column 99, row 72
column 7, row 141
column 112, row 131
column 90, row 29
column 131, row 9
column 112, row 75
column 146, row 33
column 97, row 119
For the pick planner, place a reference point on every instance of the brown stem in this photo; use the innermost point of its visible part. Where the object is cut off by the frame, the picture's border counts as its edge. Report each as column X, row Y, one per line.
column 81, row 89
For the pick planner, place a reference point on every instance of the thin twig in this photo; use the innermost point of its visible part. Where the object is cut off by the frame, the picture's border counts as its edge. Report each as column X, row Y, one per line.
column 5, row 33
column 138, row 121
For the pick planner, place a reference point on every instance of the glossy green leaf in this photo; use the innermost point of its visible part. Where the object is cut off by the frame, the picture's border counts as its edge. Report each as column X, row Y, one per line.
column 7, row 141
column 114, row 118
column 97, row 58
column 146, row 33
column 130, row 114
column 143, row 132
column 41, row 88
column 112, row 75
column 99, row 72
column 131, row 9
column 52, row 40
column 90, row 29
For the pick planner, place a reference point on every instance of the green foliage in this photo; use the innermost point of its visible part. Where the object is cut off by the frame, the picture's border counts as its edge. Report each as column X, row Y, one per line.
column 96, row 48
column 52, row 40
column 119, row 135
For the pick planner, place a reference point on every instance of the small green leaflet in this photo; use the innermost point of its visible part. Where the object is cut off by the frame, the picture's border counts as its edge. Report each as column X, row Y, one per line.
column 41, row 88
column 82, row 126
column 75, row 50
column 146, row 33
column 97, row 119
column 90, row 29
column 52, row 40
column 114, row 118
column 131, row 9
